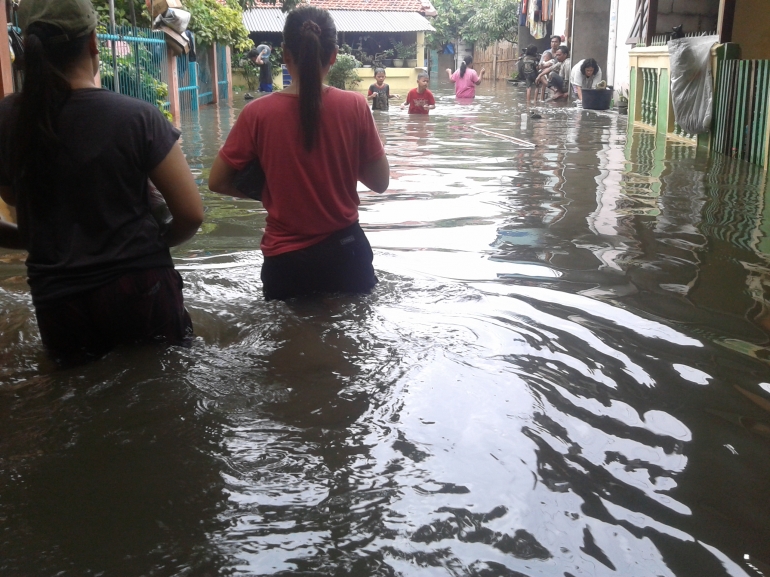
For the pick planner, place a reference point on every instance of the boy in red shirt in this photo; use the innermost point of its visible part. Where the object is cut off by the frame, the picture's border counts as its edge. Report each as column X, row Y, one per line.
column 420, row 99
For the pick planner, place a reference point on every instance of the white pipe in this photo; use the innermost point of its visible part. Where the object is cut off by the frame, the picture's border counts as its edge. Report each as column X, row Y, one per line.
column 612, row 43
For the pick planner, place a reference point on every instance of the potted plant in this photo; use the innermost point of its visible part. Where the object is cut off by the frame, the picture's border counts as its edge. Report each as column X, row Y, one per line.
column 404, row 52
column 343, row 73
column 384, row 59
column 623, row 101
column 410, row 55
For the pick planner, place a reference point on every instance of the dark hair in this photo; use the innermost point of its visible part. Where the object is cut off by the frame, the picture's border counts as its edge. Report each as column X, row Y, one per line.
column 311, row 37
column 253, row 53
column 531, row 50
column 589, row 63
column 422, row 74
column 467, row 61
column 45, row 91
column 556, row 37
column 563, row 49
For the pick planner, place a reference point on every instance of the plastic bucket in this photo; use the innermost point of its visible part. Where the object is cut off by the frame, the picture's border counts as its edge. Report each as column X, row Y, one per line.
column 597, row 99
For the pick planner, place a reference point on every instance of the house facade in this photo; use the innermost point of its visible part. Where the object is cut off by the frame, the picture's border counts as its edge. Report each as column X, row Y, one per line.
column 370, row 28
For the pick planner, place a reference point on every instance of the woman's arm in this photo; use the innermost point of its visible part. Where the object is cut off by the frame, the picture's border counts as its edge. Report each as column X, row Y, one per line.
column 579, row 92
column 222, row 179
column 481, row 76
column 376, row 174
column 449, row 74
column 173, row 179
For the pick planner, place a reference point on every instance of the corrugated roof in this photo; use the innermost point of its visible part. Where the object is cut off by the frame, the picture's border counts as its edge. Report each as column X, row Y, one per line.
column 272, row 20
column 371, row 5
column 264, row 20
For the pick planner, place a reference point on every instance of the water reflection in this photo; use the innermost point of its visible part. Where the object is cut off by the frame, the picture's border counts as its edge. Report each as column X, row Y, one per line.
column 562, row 372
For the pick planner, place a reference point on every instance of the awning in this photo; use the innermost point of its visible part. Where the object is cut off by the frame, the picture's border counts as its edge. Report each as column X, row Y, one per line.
column 272, row 20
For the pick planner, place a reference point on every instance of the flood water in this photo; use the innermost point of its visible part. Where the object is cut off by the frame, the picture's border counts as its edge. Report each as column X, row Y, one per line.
column 562, row 372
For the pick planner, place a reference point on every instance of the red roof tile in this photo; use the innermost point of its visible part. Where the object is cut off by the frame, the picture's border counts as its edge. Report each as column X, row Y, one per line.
column 421, row 6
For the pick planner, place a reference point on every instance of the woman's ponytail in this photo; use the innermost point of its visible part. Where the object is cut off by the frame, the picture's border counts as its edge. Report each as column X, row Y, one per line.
column 310, row 82
column 46, row 89
column 464, row 65
column 311, row 37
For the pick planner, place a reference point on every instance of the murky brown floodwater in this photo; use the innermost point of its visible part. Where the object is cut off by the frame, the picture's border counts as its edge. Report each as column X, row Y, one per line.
column 542, row 384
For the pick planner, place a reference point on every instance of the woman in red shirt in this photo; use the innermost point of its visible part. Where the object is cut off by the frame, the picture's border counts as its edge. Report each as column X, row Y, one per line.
column 314, row 143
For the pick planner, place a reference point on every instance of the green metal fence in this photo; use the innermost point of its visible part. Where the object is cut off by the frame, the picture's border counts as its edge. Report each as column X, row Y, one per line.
column 741, row 108
column 187, row 72
column 222, row 68
column 140, row 58
column 649, row 111
column 205, row 77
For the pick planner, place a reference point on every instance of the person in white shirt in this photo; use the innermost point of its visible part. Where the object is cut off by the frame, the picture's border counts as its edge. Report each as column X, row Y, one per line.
column 586, row 74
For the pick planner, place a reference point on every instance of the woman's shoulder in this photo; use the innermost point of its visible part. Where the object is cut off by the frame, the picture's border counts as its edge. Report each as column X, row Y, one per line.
column 344, row 97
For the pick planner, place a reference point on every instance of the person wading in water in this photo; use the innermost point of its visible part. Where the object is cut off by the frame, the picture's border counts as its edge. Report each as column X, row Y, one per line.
column 75, row 162
column 314, row 143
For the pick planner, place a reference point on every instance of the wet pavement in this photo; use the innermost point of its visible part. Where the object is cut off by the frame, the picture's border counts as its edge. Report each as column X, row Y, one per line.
column 562, row 372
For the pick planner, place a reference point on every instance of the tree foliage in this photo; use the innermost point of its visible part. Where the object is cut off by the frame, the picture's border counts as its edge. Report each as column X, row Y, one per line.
column 480, row 21
column 495, row 20
column 210, row 21
column 284, row 5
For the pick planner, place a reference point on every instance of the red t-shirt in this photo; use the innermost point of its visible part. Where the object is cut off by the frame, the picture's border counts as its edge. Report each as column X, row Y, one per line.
column 416, row 100
column 307, row 195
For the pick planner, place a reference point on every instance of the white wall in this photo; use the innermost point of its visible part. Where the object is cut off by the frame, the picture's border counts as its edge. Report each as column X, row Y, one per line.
column 623, row 13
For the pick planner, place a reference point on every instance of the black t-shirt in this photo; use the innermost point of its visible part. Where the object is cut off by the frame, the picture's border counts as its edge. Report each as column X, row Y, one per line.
column 92, row 222
column 265, row 72
column 381, row 99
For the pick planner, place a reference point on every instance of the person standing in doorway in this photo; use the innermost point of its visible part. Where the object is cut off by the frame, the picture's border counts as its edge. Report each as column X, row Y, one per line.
column 465, row 78
column 315, row 143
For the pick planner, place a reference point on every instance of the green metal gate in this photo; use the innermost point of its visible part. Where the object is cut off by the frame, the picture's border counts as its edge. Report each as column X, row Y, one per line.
column 141, row 63
column 740, row 109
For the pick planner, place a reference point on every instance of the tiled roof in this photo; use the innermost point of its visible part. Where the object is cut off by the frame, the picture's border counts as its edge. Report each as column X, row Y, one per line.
column 422, row 6
column 376, row 5
column 272, row 20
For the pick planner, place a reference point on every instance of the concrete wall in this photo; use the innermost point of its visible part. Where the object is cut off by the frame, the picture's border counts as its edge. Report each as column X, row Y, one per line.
column 590, row 31
column 624, row 20
column 400, row 80
column 525, row 39
column 750, row 31
column 694, row 15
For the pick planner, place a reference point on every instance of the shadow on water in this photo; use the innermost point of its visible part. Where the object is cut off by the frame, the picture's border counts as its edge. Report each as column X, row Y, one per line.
column 562, row 372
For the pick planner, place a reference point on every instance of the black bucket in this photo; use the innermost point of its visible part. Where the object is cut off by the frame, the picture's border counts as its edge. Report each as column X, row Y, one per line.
column 597, row 99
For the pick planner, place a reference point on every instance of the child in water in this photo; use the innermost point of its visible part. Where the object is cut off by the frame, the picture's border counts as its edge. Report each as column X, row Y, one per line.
column 420, row 99
column 379, row 92
column 528, row 71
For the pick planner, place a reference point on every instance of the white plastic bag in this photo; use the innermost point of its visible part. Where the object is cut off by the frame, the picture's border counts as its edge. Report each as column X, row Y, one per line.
column 176, row 19
column 692, row 85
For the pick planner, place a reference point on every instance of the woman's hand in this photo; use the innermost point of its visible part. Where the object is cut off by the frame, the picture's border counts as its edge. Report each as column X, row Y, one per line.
column 173, row 179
